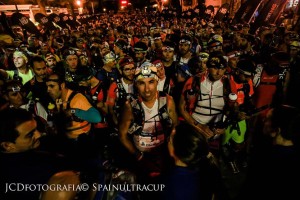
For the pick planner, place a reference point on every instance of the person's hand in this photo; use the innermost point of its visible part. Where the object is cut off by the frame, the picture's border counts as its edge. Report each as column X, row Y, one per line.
column 205, row 131
column 242, row 116
column 58, row 103
column 219, row 131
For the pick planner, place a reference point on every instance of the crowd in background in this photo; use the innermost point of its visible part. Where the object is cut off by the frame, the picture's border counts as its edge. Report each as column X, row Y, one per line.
column 188, row 102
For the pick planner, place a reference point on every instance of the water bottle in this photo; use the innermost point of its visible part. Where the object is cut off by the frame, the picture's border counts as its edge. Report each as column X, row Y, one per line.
column 50, row 118
column 232, row 99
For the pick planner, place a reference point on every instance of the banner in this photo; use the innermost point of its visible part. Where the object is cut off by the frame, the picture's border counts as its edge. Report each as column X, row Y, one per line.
column 69, row 20
column 246, row 11
column 56, row 19
column 42, row 19
column 269, row 13
column 222, row 12
column 20, row 19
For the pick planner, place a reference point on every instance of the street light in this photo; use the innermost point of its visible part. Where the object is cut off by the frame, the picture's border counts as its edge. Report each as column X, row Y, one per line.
column 80, row 9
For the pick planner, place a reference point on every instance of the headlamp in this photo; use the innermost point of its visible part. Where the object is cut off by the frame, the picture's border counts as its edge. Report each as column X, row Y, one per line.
column 167, row 48
column 16, row 88
column 184, row 41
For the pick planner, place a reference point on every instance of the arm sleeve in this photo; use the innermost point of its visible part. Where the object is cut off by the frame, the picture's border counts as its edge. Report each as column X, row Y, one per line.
column 91, row 115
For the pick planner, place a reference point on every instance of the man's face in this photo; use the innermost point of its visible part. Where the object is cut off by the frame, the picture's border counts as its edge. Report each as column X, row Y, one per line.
column 15, row 98
column 232, row 62
column 245, row 30
column 28, row 136
column 139, row 56
column 147, row 88
column 72, row 62
column 40, row 69
column 33, row 41
column 145, row 40
column 158, row 43
column 79, row 43
column 215, row 48
column 128, row 72
column 167, row 55
column 90, row 31
column 44, row 48
column 243, row 43
column 53, row 88
column 203, row 66
column 215, row 73
column 84, row 60
column 161, row 72
column 19, row 61
column 293, row 52
column 184, row 48
column 51, row 62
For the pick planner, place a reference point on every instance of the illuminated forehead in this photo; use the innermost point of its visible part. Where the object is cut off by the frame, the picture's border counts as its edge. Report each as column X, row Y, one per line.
column 146, row 80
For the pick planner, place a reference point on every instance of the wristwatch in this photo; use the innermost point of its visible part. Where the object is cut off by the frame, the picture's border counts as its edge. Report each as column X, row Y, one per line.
column 73, row 111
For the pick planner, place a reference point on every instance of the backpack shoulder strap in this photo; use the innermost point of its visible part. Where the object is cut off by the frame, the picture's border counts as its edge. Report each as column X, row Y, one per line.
column 98, row 90
column 226, row 86
column 72, row 95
